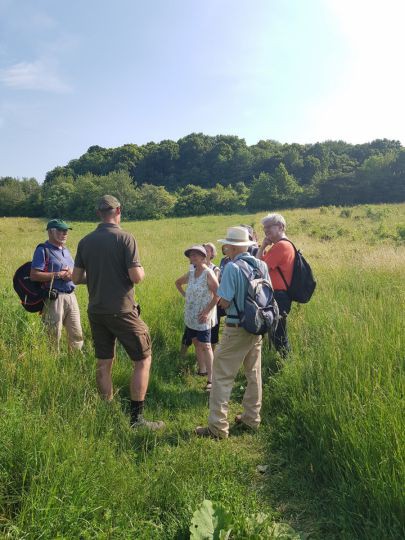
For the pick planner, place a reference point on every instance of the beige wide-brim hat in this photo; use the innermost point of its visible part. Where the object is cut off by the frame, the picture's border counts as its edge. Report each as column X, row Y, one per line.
column 237, row 236
column 197, row 247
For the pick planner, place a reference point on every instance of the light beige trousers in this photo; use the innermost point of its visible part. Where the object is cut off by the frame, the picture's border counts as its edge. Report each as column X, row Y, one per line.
column 236, row 348
column 64, row 311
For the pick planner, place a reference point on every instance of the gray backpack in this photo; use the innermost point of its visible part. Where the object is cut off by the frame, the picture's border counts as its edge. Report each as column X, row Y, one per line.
column 260, row 312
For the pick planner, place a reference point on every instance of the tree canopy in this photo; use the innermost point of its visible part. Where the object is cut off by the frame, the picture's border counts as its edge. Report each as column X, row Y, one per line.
column 201, row 174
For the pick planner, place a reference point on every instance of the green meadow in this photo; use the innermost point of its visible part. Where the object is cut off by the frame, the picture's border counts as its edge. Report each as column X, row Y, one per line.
column 329, row 459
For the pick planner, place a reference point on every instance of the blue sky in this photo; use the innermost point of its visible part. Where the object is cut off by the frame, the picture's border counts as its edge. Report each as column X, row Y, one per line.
column 84, row 72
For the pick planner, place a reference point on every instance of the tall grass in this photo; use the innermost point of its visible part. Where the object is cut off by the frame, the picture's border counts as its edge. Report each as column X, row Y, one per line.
column 70, row 467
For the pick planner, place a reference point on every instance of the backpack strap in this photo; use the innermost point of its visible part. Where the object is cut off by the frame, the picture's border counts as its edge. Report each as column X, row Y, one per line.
column 282, row 277
column 47, row 258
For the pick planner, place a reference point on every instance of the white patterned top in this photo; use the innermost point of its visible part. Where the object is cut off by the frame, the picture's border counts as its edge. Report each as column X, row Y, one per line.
column 198, row 296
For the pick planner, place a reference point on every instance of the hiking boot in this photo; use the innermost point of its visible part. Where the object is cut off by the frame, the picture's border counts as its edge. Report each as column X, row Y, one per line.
column 240, row 423
column 148, row 424
column 201, row 431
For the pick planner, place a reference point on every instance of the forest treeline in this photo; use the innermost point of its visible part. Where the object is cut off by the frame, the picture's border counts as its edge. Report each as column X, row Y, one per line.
column 201, row 174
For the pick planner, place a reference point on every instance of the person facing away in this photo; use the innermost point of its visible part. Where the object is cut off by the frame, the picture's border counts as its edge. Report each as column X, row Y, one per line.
column 52, row 265
column 199, row 311
column 108, row 261
column 237, row 347
column 279, row 255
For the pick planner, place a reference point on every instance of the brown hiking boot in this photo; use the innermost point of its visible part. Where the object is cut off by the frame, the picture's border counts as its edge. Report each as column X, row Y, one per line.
column 201, row 431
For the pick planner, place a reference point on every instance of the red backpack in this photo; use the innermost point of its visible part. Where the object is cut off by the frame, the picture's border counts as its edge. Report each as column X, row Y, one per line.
column 32, row 293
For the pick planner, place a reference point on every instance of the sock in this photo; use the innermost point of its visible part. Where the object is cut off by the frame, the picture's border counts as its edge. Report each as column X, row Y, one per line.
column 136, row 410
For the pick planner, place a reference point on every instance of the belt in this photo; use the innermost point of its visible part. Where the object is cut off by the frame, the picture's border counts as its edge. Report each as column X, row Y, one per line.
column 233, row 325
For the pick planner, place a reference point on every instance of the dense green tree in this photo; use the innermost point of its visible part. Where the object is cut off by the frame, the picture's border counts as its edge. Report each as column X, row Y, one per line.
column 261, row 192
column 224, row 199
column 267, row 173
column 57, row 199
column 152, row 202
column 11, row 196
column 191, row 201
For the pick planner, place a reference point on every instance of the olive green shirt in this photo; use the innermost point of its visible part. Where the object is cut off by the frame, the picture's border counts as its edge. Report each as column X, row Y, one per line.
column 106, row 254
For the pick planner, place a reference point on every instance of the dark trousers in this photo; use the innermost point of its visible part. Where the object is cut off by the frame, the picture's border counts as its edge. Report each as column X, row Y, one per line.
column 279, row 338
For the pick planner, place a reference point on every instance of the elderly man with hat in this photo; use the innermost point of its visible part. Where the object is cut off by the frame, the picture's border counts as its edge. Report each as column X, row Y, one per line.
column 52, row 265
column 237, row 346
column 108, row 261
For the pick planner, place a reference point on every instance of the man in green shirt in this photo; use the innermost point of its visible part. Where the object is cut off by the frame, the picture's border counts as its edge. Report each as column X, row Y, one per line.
column 108, row 261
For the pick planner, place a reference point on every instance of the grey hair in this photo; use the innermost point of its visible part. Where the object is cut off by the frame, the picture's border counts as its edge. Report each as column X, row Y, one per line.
column 274, row 219
column 213, row 248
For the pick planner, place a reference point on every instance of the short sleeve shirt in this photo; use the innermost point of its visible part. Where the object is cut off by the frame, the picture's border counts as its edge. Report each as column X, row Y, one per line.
column 106, row 254
column 280, row 255
column 233, row 287
column 59, row 259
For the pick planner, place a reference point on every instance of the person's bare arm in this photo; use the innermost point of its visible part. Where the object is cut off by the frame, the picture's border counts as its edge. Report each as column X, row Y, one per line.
column 262, row 247
column 213, row 287
column 183, row 280
column 136, row 274
column 79, row 276
column 43, row 277
column 224, row 304
column 212, row 282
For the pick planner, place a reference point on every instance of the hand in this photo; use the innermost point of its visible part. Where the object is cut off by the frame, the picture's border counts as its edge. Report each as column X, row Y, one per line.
column 266, row 242
column 203, row 316
column 66, row 274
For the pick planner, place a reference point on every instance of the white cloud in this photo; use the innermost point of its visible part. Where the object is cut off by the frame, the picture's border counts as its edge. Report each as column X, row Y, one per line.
column 367, row 101
column 38, row 75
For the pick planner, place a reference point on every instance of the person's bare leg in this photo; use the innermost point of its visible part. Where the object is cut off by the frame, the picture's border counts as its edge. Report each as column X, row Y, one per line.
column 104, row 378
column 138, row 387
column 183, row 350
column 140, row 379
column 205, row 357
column 200, row 358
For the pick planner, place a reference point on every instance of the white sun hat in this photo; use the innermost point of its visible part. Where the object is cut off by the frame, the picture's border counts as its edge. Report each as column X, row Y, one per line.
column 237, row 236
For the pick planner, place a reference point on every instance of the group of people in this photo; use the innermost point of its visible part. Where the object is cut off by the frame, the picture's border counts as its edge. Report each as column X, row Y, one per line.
column 107, row 261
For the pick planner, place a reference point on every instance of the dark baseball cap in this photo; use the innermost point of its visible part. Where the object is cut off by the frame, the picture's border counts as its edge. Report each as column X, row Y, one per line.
column 108, row 202
column 57, row 224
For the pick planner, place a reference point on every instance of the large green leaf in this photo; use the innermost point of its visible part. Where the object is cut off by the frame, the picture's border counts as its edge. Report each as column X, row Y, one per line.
column 210, row 522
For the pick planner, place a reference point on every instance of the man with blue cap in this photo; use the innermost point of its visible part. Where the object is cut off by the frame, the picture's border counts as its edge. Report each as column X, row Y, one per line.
column 52, row 265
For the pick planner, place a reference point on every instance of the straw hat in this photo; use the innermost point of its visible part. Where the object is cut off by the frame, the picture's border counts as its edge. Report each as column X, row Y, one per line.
column 237, row 236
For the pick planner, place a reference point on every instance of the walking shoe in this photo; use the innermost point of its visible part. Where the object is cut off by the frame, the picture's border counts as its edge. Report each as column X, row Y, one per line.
column 148, row 424
column 240, row 423
column 201, row 431
column 208, row 386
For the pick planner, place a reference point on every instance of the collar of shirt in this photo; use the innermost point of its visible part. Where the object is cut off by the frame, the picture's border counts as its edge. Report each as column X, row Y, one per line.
column 108, row 226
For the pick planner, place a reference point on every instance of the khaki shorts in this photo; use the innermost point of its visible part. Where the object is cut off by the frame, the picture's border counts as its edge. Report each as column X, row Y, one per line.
column 128, row 328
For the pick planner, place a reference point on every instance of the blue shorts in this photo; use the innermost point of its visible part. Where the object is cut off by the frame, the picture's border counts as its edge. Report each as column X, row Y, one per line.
column 204, row 336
